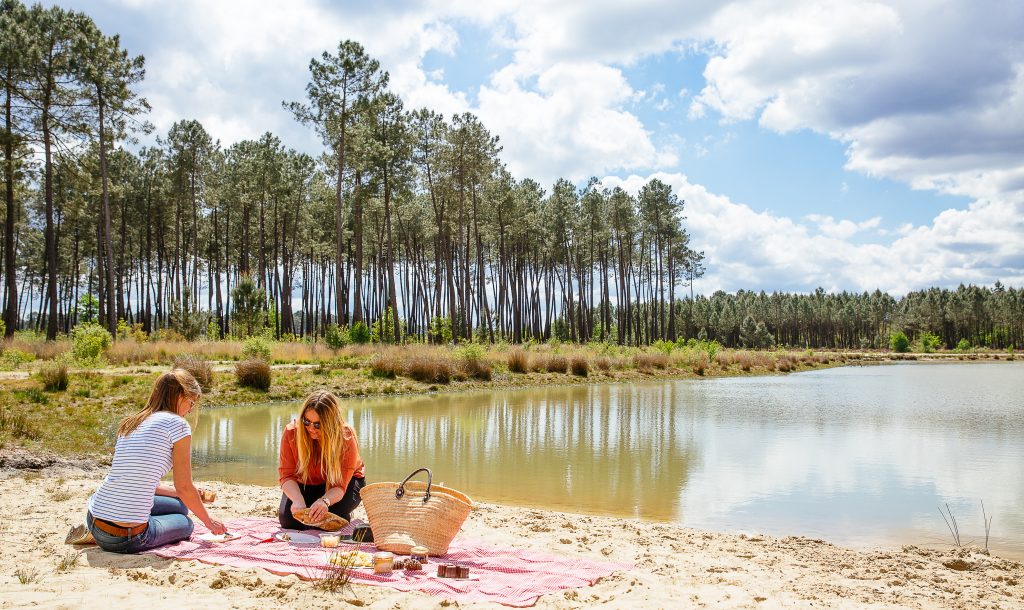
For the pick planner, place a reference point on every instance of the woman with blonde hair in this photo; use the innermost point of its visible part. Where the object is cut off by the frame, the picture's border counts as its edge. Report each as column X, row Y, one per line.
column 320, row 467
column 132, row 511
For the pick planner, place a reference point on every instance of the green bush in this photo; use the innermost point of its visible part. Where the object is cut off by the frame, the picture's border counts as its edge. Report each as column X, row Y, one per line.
column 12, row 359
column 441, row 330
column 898, row 342
column 360, row 333
column 256, row 347
column 89, row 342
column 927, row 342
column 337, row 337
column 963, row 346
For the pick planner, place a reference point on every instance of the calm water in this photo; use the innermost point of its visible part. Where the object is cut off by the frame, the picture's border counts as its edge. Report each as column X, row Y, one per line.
column 856, row 455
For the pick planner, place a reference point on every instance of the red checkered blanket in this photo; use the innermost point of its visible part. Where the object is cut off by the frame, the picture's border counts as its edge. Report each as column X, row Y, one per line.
column 509, row 576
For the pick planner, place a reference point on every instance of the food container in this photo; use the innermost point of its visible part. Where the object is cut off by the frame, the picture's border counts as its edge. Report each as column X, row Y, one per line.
column 383, row 562
column 419, row 553
column 463, row 571
column 329, row 541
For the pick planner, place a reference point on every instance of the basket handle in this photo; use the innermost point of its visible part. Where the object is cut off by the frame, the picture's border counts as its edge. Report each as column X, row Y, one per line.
column 401, row 488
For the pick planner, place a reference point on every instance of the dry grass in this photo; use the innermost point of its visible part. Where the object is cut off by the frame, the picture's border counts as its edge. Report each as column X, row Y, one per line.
column 554, row 363
column 477, row 368
column 580, row 366
column 429, row 366
column 387, row 363
column 701, row 363
column 651, row 361
column 253, row 374
column 54, row 375
column 518, row 361
column 198, row 366
column 784, row 364
column 603, row 363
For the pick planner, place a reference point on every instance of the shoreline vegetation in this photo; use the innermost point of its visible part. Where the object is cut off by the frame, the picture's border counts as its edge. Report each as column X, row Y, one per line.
column 92, row 386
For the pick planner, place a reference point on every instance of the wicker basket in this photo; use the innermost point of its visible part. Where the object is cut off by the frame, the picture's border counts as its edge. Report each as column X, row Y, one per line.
column 407, row 514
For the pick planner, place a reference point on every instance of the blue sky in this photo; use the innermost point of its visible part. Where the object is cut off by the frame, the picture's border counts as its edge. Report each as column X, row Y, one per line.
column 849, row 144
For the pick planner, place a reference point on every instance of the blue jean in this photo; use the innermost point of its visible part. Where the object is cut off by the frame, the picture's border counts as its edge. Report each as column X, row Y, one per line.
column 168, row 523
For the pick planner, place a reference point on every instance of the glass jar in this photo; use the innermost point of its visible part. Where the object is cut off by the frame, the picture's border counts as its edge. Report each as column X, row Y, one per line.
column 383, row 562
column 419, row 553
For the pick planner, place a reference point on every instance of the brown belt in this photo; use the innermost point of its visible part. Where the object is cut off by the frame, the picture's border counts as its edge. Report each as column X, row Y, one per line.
column 119, row 530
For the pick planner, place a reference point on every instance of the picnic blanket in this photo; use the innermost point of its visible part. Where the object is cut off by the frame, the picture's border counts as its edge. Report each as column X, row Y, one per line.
column 509, row 576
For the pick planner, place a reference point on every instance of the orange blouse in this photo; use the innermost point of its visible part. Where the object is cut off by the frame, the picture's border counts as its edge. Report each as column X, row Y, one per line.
column 351, row 465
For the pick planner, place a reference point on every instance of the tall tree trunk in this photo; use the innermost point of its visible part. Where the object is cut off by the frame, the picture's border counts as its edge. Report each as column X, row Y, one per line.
column 108, row 248
column 10, row 277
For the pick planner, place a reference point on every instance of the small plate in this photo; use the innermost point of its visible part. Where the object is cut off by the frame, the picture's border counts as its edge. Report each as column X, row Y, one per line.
column 297, row 538
column 218, row 537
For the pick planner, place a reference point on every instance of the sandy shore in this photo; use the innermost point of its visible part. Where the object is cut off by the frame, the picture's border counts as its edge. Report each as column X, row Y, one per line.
column 676, row 567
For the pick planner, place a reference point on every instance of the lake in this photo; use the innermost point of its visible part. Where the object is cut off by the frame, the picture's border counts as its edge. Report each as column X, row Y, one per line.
column 857, row 455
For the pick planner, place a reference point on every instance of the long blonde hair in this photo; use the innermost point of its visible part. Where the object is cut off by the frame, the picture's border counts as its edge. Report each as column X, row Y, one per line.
column 167, row 390
column 329, row 452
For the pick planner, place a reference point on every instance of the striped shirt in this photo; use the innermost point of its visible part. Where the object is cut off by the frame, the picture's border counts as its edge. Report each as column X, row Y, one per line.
column 141, row 459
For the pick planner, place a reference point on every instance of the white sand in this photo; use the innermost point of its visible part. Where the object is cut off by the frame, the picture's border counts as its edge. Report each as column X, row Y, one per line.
column 675, row 567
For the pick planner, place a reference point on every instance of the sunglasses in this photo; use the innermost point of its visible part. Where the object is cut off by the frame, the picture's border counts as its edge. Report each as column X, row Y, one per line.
column 314, row 424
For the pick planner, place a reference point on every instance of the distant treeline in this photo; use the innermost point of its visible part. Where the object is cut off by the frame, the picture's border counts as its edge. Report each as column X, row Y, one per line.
column 983, row 317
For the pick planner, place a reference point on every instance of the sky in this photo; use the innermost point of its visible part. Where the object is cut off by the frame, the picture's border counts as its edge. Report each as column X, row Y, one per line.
column 850, row 145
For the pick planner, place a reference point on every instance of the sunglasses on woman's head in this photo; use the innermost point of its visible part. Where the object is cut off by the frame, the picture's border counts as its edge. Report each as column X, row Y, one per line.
column 314, row 424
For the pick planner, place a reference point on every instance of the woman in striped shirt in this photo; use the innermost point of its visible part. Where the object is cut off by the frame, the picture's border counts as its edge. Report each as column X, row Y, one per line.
column 132, row 511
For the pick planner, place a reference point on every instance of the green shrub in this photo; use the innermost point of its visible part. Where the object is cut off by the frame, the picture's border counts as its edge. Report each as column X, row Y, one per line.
column 32, row 395
column 13, row 358
column 360, row 333
column 441, row 330
column 54, row 375
column 256, row 347
column 898, row 342
column 198, row 367
column 337, row 337
column 664, row 347
column 927, row 342
column 89, row 342
column 963, row 346
column 253, row 373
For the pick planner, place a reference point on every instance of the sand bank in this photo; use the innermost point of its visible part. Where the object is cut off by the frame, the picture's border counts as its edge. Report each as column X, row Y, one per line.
column 676, row 567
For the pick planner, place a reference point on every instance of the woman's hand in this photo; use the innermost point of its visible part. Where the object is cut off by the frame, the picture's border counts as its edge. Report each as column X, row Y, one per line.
column 317, row 512
column 216, row 527
column 297, row 506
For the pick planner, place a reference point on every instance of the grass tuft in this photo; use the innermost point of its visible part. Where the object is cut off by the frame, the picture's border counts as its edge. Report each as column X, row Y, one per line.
column 387, row 364
column 518, row 361
column 54, row 375
column 198, row 366
column 253, row 374
column 580, row 366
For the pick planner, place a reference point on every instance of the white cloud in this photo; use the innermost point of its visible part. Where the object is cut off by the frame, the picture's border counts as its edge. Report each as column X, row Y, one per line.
column 754, row 250
column 930, row 97
column 570, row 124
